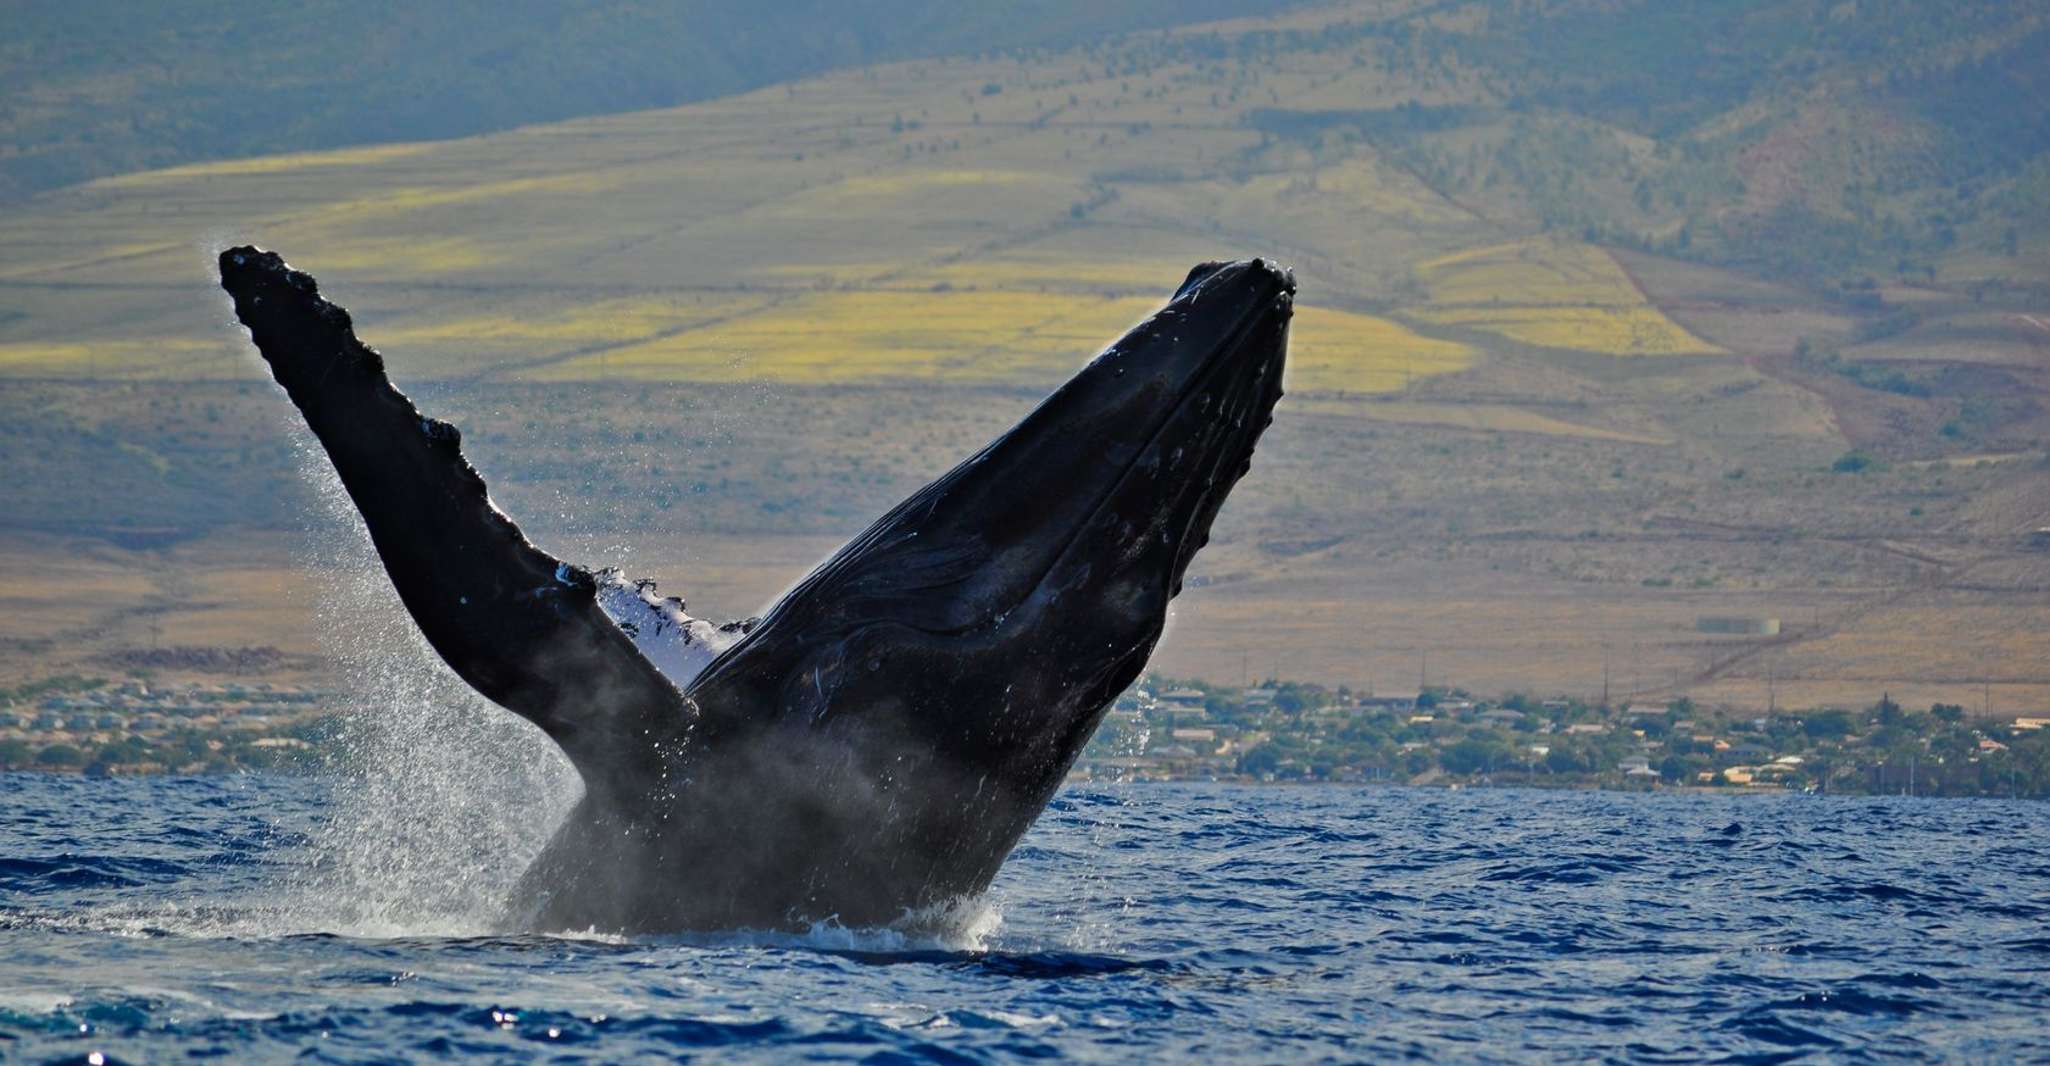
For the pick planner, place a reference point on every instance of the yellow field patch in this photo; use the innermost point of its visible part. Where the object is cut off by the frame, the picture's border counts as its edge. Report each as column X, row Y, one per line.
column 1061, row 274
column 89, row 256
column 878, row 335
column 988, row 337
column 598, row 322
column 1533, row 272
column 1639, row 330
column 1348, row 352
column 1366, row 183
column 359, row 211
column 918, row 181
column 420, row 255
column 920, row 192
column 114, row 358
column 1554, row 293
column 275, row 164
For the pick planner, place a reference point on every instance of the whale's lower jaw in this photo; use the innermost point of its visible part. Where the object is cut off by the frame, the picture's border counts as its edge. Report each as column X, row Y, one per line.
column 741, row 853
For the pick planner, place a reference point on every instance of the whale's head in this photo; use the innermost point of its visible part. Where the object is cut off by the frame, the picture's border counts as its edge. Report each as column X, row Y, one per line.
column 989, row 620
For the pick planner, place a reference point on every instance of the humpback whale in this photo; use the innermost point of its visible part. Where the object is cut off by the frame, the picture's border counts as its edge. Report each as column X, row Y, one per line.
column 878, row 741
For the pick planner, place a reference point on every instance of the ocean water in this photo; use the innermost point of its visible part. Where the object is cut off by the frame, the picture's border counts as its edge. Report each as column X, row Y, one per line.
column 156, row 919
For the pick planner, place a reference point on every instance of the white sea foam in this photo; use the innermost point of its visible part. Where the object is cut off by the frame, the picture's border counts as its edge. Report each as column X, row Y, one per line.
column 965, row 924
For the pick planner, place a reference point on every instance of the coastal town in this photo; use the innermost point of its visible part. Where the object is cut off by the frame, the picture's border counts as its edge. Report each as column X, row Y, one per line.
column 1167, row 729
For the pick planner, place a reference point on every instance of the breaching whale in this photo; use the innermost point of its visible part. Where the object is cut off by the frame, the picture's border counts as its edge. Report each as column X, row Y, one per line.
column 878, row 741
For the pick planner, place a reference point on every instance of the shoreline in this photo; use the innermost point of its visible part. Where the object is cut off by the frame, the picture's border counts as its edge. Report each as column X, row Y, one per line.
column 1146, row 782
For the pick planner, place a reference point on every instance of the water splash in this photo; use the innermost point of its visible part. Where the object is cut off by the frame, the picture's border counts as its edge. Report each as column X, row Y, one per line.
column 440, row 799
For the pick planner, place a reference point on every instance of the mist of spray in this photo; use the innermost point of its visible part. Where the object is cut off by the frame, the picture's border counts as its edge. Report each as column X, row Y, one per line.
column 440, row 798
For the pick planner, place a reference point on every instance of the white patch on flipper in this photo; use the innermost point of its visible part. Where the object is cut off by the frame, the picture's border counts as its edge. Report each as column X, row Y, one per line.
column 680, row 646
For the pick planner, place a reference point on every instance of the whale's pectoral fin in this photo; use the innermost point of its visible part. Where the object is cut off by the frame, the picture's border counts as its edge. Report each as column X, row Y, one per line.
column 520, row 626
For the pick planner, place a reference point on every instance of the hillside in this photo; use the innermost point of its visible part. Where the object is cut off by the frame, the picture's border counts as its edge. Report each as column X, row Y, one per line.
column 1522, row 449
column 95, row 88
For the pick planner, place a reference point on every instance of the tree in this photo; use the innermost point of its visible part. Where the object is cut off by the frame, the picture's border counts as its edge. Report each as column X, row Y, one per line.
column 1677, row 768
column 60, row 755
column 1947, row 713
column 1827, row 725
column 1563, row 759
column 1472, row 756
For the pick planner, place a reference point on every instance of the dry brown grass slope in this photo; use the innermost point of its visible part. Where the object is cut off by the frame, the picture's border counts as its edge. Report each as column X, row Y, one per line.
column 731, row 333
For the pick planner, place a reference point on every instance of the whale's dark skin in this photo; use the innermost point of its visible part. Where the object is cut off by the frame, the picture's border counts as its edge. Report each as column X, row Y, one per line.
column 878, row 743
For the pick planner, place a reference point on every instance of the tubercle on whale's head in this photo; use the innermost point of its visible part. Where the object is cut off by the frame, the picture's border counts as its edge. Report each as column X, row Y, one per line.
column 1006, row 604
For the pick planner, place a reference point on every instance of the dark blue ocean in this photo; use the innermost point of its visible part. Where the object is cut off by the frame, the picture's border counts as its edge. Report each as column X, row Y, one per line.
column 159, row 919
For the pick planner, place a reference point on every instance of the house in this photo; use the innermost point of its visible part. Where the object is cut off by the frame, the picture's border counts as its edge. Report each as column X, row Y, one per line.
column 1183, row 697
column 1206, row 737
column 1502, row 716
column 1393, row 702
column 1586, row 729
column 2025, row 724
column 1740, row 775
